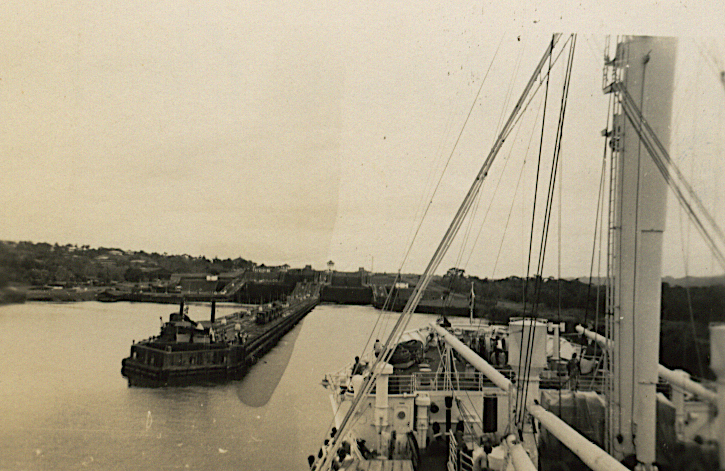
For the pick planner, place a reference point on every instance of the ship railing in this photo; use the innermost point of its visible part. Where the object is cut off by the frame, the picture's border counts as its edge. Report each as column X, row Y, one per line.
column 401, row 384
column 420, row 381
column 596, row 382
column 335, row 381
column 464, row 381
column 476, row 381
column 458, row 458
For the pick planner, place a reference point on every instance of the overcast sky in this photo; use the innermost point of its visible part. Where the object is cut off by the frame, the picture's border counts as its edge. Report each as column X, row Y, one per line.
column 305, row 131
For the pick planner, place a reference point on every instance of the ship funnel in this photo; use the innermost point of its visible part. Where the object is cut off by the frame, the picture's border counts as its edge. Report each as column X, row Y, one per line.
column 181, row 307
column 213, row 310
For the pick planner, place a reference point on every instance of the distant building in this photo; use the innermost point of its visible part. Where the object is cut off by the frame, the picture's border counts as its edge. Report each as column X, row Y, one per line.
column 262, row 269
column 195, row 283
column 350, row 279
column 105, row 260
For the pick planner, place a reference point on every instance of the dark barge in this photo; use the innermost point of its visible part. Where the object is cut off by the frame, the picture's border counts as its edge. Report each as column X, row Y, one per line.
column 188, row 352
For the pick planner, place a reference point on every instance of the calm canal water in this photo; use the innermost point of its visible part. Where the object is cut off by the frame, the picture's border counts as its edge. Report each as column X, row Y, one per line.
column 65, row 405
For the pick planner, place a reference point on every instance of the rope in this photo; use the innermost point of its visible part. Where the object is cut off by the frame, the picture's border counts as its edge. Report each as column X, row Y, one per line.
column 455, row 145
column 600, row 207
column 685, row 264
column 502, row 114
column 673, row 176
column 524, row 109
column 519, row 383
column 387, row 306
column 547, row 216
column 513, row 200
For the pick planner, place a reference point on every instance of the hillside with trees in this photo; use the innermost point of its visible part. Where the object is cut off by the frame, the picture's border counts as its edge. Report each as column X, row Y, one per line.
column 43, row 264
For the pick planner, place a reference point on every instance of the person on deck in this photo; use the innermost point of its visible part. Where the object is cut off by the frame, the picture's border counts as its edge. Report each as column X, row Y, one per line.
column 378, row 348
column 357, row 368
column 437, row 432
column 572, row 368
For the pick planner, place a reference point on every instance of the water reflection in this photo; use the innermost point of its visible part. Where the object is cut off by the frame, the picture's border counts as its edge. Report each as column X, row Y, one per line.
column 256, row 389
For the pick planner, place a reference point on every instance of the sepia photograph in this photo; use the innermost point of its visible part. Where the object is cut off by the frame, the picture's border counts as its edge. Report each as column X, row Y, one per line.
column 362, row 236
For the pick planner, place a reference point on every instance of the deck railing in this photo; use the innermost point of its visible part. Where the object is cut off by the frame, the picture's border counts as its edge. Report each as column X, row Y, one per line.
column 458, row 458
column 399, row 384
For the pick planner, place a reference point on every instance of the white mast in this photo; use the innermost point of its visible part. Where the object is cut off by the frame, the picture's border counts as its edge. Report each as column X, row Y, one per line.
column 647, row 71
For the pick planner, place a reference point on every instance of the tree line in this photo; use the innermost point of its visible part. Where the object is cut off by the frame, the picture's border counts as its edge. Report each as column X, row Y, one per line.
column 41, row 264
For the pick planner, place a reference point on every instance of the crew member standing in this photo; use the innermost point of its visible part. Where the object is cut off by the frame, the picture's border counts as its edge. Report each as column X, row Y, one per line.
column 572, row 368
column 377, row 348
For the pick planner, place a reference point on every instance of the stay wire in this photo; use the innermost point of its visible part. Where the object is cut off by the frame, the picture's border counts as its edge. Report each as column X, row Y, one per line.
column 502, row 116
column 685, row 263
column 536, row 191
column 534, row 94
column 450, row 156
column 605, row 353
column 519, row 382
column 430, row 179
column 600, row 204
column 542, row 253
column 513, row 200
column 490, row 205
column 443, row 246
column 387, row 307
column 547, row 217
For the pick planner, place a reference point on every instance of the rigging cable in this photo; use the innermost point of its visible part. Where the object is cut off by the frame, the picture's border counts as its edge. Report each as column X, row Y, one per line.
column 685, row 263
column 605, row 354
column 685, row 241
column 471, row 219
column 547, row 217
column 533, row 94
column 600, row 207
column 388, row 305
column 490, row 205
column 502, row 115
column 495, row 191
column 513, row 200
column 673, row 176
column 519, row 382
column 455, row 145
column 536, row 189
column 439, row 155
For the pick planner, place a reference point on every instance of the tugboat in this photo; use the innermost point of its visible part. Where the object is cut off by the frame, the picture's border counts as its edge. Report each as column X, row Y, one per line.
column 189, row 352
column 186, row 352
